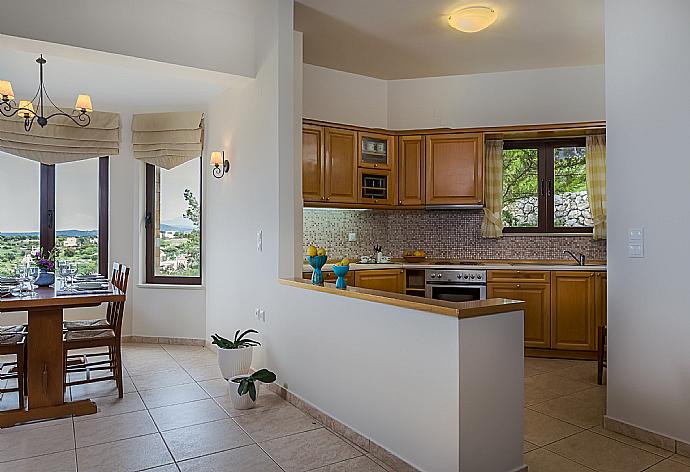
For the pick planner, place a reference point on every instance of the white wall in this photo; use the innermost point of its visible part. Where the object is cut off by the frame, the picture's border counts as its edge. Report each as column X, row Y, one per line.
column 558, row 95
column 341, row 97
column 648, row 170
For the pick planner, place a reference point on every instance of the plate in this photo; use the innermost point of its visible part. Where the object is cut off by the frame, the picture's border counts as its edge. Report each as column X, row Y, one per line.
column 91, row 285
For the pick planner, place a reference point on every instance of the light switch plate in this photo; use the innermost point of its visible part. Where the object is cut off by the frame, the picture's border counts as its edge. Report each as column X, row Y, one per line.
column 635, row 250
column 635, row 235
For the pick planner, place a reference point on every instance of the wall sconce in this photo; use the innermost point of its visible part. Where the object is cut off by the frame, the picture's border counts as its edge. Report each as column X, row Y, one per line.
column 221, row 165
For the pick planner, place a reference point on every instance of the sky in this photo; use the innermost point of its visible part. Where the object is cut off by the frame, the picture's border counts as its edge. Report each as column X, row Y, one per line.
column 76, row 199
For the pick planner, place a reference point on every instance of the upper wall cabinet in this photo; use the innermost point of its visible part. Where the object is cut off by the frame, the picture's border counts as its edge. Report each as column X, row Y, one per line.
column 312, row 164
column 455, row 169
column 340, row 165
column 376, row 151
column 411, row 178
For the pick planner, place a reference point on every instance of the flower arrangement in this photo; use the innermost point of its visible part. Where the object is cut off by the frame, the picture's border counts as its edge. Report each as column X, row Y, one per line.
column 45, row 261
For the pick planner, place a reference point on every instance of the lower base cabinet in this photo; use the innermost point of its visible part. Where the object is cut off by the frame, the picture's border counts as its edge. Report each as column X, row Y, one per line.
column 573, row 311
column 537, row 298
column 387, row 280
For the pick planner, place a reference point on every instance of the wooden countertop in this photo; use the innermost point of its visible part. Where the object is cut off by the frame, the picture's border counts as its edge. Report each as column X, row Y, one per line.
column 439, row 307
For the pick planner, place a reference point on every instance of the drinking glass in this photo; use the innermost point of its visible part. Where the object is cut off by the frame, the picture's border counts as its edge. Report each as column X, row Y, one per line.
column 33, row 273
column 63, row 267
column 73, row 268
column 21, row 275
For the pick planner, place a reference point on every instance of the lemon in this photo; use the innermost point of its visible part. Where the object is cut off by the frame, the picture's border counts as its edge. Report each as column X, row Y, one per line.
column 321, row 252
column 345, row 262
column 311, row 251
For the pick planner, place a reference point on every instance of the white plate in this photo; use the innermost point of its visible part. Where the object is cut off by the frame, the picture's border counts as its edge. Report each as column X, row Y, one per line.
column 91, row 285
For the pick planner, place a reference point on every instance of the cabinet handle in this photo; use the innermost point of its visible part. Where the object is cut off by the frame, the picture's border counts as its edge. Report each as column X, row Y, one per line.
column 399, row 202
column 376, row 165
column 328, row 198
column 517, row 286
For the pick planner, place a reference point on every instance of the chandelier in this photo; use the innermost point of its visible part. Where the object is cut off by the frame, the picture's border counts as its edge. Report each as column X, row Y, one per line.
column 33, row 110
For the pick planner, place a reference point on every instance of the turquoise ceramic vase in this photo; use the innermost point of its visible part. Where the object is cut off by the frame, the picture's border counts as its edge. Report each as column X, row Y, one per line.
column 317, row 262
column 340, row 271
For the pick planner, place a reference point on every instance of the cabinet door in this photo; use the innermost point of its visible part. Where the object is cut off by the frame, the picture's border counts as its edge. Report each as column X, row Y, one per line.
column 387, row 280
column 455, row 169
column 312, row 163
column 573, row 317
column 341, row 166
column 537, row 298
column 376, row 187
column 411, row 170
column 601, row 298
column 376, row 151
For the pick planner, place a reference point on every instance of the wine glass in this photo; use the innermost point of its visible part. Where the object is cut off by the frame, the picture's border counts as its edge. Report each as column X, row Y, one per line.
column 72, row 270
column 63, row 267
column 33, row 273
column 21, row 275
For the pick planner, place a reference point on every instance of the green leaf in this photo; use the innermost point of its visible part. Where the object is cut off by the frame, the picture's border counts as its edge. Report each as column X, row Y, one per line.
column 246, row 333
column 236, row 333
column 263, row 375
column 243, row 387
column 252, row 391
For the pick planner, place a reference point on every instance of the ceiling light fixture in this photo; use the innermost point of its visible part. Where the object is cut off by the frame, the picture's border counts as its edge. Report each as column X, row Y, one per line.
column 31, row 113
column 472, row 19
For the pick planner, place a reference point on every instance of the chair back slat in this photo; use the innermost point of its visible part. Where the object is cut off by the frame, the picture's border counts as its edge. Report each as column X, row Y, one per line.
column 115, row 275
column 121, row 279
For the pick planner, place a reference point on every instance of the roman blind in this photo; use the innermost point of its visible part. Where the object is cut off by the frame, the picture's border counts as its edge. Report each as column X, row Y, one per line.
column 168, row 139
column 61, row 140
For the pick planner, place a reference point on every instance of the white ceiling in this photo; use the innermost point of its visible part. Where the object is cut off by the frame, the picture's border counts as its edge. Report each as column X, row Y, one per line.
column 115, row 82
column 399, row 39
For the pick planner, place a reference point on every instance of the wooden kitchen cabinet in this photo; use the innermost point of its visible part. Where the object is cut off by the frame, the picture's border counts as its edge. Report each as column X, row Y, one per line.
column 573, row 312
column 376, row 186
column 537, row 298
column 376, row 151
column 330, row 277
column 411, row 176
column 601, row 298
column 340, row 177
column 387, row 280
column 312, row 164
column 455, row 169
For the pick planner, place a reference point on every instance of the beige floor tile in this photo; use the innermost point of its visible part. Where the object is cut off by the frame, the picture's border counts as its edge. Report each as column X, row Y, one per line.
column 22, row 443
column 541, row 430
column 187, row 414
column 150, row 366
column 544, row 387
column 585, row 409
column 57, row 462
column 127, row 455
column 277, row 422
column 631, row 442
column 376, row 460
column 39, row 424
column 243, row 459
column 112, row 428
column 203, row 439
column 358, row 464
column 174, row 395
column 308, row 450
column 603, row 454
column 582, row 373
column 114, row 405
column 165, row 468
column 204, row 372
column 669, row 466
column 542, row 460
column 682, row 459
column 100, row 389
column 541, row 365
column 162, row 379
column 215, row 387
column 266, row 400
column 528, row 446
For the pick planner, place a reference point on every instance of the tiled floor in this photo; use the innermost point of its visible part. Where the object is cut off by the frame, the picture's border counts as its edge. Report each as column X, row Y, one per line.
column 176, row 416
column 564, row 408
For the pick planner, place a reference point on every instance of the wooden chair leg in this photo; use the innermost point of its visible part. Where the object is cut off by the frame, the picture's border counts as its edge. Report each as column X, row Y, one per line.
column 601, row 337
column 118, row 368
column 20, row 377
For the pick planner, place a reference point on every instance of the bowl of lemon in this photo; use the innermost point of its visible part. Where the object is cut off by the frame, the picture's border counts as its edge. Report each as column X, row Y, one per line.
column 316, row 257
column 340, row 269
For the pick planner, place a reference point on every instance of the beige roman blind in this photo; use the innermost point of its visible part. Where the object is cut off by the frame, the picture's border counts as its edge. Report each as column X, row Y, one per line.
column 168, row 139
column 61, row 140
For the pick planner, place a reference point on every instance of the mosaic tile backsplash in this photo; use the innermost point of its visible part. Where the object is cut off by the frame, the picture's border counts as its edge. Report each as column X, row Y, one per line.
column 443, row 234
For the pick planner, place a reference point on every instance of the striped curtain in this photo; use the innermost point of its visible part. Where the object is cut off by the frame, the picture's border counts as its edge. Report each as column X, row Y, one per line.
column 168, row 140
column 596, row 183
column 492, row 225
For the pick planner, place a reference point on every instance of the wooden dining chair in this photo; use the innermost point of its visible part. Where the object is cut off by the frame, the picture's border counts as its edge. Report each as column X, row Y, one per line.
column 601, row 353
column 13, row 342
column 102, row 323
column 110, row 338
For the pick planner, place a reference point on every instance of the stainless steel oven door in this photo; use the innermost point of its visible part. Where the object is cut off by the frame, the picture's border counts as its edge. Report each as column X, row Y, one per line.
column 455, row 292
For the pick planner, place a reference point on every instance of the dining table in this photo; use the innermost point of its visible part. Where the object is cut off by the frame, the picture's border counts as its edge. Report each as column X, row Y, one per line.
column 45, row 362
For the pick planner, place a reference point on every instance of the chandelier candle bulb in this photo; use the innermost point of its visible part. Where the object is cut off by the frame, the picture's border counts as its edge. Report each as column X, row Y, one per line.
column 6, row 90
column 221, row 165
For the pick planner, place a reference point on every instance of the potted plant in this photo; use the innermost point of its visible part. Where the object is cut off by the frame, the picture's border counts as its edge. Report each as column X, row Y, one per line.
column 244, row 396
column 235, row 357
column 46, row 264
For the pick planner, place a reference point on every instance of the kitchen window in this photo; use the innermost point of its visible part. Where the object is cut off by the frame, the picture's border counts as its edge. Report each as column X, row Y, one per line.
column 545, row 187
column 63, row 206
column 173, row 224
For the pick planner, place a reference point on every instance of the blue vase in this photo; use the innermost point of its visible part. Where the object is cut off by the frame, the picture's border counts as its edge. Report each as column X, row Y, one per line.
column 45, row 278
column 340, row 271
column 317, row 262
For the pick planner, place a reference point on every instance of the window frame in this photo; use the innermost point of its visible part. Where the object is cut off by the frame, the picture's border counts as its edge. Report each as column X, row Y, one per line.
column 150, row 240
column 546, row 179
column 47, row 233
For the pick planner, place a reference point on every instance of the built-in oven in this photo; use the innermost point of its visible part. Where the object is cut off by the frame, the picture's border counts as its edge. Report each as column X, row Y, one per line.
column 455, row 285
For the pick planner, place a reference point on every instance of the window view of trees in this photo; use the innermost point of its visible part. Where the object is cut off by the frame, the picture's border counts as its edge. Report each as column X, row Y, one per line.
column 180, row 251
column 520, row 187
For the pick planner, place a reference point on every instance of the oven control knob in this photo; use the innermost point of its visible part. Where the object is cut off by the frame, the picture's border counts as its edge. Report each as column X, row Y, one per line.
column 479, row 276
column 472, row 276
column 433, row 276
column 465, row 276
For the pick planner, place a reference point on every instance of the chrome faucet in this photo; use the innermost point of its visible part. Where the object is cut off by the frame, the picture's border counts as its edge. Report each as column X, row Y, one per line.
column 580, row 258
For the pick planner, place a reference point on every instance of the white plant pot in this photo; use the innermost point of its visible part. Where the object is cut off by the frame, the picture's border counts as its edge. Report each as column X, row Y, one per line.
column 241, row 402
column 233, row 362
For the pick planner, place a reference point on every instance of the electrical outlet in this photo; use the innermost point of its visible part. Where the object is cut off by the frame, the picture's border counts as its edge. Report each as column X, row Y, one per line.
column 262, row 315
column 257, row 313
column 352, row 237
column 259, row 241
